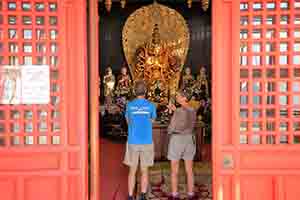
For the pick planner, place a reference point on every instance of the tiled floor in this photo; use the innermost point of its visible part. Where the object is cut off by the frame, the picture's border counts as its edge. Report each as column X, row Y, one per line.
column 113, row 179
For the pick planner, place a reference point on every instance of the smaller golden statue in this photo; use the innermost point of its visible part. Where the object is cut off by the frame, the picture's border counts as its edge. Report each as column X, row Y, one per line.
column 124, row 84
column 109, row 85
column 158, row 91
column 188, row 80
column 201, row 86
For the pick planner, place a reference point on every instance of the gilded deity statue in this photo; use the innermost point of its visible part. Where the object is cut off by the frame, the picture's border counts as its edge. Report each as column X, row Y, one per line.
column 123, row 87
column 201, row 86
column 109, row 85
column 188, row 81
column 157, row 65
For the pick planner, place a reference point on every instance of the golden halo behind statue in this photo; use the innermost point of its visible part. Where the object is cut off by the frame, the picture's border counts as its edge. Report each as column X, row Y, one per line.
column 138, row 30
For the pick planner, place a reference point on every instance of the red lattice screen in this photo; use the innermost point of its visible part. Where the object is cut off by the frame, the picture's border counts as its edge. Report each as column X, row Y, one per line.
column 270, row 72
column 256, row 99
column 29, row 36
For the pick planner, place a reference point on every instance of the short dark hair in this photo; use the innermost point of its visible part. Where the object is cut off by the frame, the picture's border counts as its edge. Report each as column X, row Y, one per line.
column 185, row 94
column 140, row 88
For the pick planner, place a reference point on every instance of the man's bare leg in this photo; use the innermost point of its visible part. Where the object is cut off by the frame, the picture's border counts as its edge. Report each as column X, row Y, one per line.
column 174, row 176
column 131, row 180
column 144, row 179
column 190, row 175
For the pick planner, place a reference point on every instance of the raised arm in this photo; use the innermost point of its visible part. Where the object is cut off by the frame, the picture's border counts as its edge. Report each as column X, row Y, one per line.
column 153, row 113
column 127, row 114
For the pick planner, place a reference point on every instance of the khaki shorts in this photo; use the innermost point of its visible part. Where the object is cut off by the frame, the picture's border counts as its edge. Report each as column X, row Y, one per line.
column 181, row 147
column 143, row 153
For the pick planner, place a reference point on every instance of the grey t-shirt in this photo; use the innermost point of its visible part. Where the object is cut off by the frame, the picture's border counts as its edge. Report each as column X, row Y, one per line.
column 183, row 121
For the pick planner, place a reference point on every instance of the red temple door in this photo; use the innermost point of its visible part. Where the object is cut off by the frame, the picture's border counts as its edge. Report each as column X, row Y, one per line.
column 43, row 143
column 256, row 65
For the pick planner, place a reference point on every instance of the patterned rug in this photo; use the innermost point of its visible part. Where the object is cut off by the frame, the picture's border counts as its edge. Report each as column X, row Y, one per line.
column 160, row 181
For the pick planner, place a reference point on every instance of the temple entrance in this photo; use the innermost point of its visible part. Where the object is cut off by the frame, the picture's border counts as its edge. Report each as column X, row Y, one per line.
column 43, row 145
column 255, row 91
column 184, row 63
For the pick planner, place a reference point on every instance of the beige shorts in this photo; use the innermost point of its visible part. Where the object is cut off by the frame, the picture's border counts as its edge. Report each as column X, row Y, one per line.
column 143, row 153
column 181, row 147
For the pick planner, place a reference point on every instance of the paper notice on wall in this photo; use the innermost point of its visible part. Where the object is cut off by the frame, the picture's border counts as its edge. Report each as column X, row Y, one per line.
column 25, row 84
column 35, row 84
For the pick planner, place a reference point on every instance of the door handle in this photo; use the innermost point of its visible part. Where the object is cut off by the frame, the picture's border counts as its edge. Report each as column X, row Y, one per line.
column 228, row 162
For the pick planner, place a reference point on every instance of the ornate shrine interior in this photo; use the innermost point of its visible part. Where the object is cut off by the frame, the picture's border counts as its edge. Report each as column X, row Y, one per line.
column 118, row 73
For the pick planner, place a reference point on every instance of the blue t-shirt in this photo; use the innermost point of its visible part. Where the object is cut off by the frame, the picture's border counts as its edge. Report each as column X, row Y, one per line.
column 139, row 114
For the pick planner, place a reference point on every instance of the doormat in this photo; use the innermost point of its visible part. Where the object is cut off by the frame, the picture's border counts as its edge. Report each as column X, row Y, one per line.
column 160, row 181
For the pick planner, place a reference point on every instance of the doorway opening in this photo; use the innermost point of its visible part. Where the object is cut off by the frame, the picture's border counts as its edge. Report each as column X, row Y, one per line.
column 116, row 74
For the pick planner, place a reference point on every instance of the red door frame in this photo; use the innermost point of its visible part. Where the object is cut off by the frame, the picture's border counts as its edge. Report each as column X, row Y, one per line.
column 224, row 107
column 94, row 82
column 94, row 92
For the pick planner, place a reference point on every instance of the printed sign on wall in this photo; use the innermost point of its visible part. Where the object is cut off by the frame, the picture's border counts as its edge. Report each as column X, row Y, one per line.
column 25, row 84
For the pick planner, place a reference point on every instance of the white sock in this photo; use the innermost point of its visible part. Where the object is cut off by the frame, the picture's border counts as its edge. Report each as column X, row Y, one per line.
column 191, row 194
column 175, row 194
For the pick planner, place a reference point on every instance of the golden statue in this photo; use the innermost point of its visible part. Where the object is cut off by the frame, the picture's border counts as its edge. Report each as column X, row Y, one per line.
column 155, row 41
column 157, row 66
column 188, row 80
column 109, row 85
column 123, row 87
column 201, row 86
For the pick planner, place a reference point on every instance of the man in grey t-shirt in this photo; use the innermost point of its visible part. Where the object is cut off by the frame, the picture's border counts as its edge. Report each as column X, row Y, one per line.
column 182, row 143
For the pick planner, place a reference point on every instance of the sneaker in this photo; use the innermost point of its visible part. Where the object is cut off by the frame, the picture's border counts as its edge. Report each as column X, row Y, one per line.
column 143, row 196
column 173, row 198
column 194, row 197
column 130, row 198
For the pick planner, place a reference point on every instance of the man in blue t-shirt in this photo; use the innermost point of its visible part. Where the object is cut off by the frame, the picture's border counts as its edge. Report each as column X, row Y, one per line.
column 140, row 114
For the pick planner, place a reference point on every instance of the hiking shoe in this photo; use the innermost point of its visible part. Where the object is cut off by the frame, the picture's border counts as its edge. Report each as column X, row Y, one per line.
column 194, row 197
column 143, row 196
column 173, row 198
column 130, row 198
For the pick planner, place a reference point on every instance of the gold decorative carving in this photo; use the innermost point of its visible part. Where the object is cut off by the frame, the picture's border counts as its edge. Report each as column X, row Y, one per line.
column 108, row 5
column 123, row 3
column 189, row 3
column 205, row 4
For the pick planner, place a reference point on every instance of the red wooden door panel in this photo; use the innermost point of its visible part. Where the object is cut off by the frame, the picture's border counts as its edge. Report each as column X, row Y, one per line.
column 43, row 147
column 256, row 64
